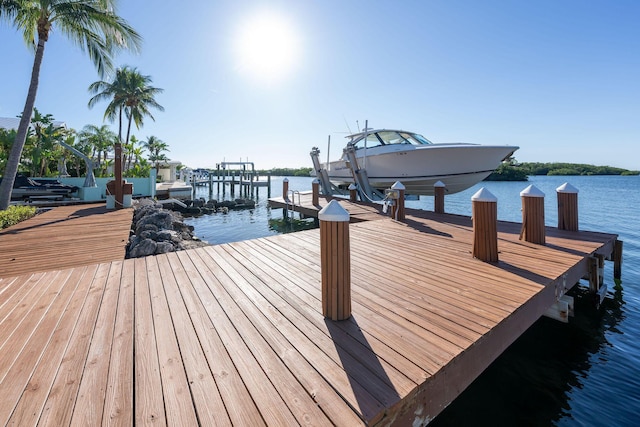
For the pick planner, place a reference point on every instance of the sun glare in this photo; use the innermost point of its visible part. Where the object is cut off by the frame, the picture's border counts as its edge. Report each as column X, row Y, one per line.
column 267, row 47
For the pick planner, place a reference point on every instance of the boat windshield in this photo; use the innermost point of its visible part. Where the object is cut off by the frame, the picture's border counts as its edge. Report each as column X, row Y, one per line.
column 389, row 137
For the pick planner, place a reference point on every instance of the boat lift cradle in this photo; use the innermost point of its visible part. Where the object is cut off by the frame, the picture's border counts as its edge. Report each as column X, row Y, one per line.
column 360, row 178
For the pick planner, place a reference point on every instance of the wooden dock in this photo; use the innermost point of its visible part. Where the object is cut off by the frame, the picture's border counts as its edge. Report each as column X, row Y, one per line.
column 303, row 204
column 66, row 236
column 233, row 334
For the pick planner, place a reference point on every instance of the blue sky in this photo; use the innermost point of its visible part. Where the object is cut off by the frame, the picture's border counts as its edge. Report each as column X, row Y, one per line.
column 560, row 79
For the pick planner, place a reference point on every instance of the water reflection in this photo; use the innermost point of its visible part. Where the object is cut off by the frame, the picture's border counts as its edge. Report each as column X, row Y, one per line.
column 290, row 225
column 530, row 384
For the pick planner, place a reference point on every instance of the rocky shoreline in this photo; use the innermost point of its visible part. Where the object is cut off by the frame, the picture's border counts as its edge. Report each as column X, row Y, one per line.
column 156, row 230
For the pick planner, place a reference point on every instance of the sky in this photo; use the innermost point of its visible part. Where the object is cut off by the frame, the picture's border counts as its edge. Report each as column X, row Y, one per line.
column 265, row 81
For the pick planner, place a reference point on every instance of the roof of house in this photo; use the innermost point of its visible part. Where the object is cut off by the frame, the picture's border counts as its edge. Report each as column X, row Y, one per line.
column 14, row 122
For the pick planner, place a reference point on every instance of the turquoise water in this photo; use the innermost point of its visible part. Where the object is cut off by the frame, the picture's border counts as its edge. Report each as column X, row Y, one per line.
column 585, row 373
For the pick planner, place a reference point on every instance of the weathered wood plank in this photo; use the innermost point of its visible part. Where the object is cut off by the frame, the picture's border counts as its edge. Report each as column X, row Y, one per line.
column 90, row 400
column 148, row 394
column 239, row 404
column 32, row 338
column 32, row 401
column 60, row 402
column 118, row 405
column 204, row 391
column 175, row 387
column 264, row 390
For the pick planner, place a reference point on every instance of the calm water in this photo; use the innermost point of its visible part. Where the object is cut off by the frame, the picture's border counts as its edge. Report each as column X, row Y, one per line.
column 585, row 373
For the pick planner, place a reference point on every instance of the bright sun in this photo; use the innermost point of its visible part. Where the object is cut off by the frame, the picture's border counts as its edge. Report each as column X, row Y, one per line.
column 267, row 47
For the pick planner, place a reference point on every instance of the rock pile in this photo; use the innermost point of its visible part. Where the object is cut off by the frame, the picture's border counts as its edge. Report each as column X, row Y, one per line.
column 197, row 207
column 156, row 231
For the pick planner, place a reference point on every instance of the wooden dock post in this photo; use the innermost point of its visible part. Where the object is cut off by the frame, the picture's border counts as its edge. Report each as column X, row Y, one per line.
column 117, row 167
column 353, row 192
column 315, row 189
column 335, row 261
column 397, row 210
column 567, row 207
column 533, row 230
column 285, row 188
column 617, row 259
column 438, row 201
column 485, row 225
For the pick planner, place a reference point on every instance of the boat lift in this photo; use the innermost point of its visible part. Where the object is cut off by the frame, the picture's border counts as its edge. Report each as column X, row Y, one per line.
column 360, row 178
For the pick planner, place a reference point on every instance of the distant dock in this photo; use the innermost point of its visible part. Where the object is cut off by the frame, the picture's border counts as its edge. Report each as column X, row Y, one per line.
column 234, row 334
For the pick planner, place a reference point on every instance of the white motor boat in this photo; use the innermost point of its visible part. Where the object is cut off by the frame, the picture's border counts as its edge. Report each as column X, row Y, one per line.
column 390, row 155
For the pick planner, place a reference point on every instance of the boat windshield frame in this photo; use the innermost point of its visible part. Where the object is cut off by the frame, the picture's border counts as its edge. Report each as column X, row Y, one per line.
column 387, row 137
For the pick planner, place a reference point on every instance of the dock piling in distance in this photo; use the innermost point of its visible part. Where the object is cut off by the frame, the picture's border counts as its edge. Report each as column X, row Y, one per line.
column 484, row 215
column 617, row 260
column 335, row 261
column 438, row 201
column 285, row 188
column 533, row 229
column 397, row 209
column 567, row 207
column 315, row 190
column 353, row 192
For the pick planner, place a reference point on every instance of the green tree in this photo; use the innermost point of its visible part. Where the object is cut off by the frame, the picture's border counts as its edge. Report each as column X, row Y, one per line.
column 7, row 136
column 101, row 140
column 127, row 152
column 90, row 24
column 43, row 150
column 156, row 148
column 130, row 96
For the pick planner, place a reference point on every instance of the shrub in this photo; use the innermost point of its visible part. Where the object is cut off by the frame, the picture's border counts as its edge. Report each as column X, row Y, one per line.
column 15, row 214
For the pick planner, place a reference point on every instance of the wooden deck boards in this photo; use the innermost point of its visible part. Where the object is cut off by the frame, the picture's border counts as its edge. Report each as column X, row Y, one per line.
column 359, row 211
column 234, row 334
column 65, row 236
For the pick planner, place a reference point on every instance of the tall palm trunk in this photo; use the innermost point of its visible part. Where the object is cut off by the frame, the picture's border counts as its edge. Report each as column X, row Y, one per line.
column 18, row 145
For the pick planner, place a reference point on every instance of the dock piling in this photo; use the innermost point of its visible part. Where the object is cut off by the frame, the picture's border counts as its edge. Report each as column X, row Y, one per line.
column 285, row 188
column 617, row 259
column 353, row 192
column 315, row 188
column 533, row 229
column 567, row 207
column 335, row 261
column 438, row 201
column 397, row 209
column 485, row 226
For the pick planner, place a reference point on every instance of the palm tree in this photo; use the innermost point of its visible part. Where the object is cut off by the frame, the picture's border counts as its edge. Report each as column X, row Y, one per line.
column 156, row 148
column 91, row 24
column 101, row 140
column 130, row 96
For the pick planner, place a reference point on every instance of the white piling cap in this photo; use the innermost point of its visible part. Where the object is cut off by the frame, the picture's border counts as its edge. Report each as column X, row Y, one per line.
column 333, row 212
column 484, row 195
column 567, row 188
column 353, row 186
column 397, row 186
column 315, row 181
column 531, row 191
column 285, row 180
column 439, row 184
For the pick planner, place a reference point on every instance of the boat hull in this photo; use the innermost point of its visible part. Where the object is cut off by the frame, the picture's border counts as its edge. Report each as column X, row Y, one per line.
column 458, row 166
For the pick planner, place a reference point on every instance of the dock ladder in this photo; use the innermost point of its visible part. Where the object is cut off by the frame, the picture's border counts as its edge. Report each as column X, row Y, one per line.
column 293, row 202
